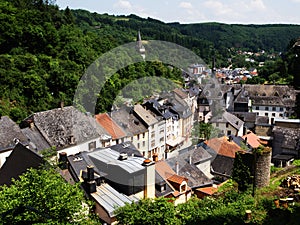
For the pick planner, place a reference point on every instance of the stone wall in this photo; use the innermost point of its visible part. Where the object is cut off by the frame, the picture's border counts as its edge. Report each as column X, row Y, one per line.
column 262, row 169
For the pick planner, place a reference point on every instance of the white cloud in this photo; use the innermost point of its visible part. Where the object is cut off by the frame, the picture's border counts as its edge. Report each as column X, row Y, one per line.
column 217, row 7
column 123, row 4
column 257, row 5
column 185, row 5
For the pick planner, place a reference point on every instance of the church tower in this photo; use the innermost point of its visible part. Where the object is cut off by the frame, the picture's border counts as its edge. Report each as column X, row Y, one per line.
column 139, row 45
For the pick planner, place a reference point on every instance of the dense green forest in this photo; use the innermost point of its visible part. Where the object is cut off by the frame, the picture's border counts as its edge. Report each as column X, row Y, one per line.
column 45, row 50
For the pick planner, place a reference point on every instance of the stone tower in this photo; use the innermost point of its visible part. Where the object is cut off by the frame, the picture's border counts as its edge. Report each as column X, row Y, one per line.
column 262, row 168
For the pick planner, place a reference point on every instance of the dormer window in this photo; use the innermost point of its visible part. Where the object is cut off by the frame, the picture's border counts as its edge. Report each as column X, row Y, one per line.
column 183, row 188
column 163, row 188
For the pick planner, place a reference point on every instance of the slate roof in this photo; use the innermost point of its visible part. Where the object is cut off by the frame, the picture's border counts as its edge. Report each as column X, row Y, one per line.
column 291, row 137
column 262, row 120
column 230, row 118
column 198, row 154
column 128, row 122
column 269, row 95
column 17, row 163
column 64, row 127
column 246, row 116
column 9, row 133
column 180, row 93
column 194, row 175
column 159, row 181
column 223, row 165
column 36, row 141
column 110, row 126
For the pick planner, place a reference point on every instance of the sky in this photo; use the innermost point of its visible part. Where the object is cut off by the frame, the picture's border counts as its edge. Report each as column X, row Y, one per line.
column 197, row 11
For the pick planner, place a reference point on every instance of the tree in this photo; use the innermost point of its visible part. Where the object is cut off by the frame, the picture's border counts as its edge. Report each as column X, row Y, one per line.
column 241, row 173
column 43, row 196
column 204, row 131
column 148, row 211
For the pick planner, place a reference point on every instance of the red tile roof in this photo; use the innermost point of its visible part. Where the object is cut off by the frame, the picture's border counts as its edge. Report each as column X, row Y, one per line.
column 223, row 147
column 110, row 126
column 252, row 139
column 177, row 179
column 208, row 190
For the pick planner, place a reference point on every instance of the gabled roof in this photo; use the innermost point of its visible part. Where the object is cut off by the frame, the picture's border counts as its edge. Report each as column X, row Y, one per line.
column 10, row 134
column 110, row 126
column 64, row 127
column 180, row 93
column 147, row 118
column 198, row 154
column 223, row 147
column 36, row 141
column 128, row 122
column 252, row 139
column 229, row 118
column 222, row 165
column 20, row 159
column 110, row 199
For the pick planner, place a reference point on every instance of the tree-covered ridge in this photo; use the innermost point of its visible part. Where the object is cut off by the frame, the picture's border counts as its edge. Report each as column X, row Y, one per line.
column 44, row 51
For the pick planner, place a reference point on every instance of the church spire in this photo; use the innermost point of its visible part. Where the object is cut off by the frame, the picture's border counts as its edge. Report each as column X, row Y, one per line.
column 139, row 44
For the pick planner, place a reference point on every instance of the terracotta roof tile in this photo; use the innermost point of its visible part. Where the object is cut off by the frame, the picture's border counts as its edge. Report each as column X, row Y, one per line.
column 110, row 126
column 223, row 147
column 177, row 179
column 252, row 139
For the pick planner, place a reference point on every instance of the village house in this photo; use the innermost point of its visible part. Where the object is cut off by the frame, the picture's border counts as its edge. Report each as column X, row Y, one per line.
column 224, row 151
column 10, row 136
column 273, row 101
column 18, row 162
column 229, row 124
column 136, row 131
column 156, row 130
column 66, row 129
column 286, row 141
column 180, row 190
column 118, row 135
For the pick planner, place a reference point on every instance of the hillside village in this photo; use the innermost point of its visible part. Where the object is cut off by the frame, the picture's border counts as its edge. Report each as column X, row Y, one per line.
column 149, row 149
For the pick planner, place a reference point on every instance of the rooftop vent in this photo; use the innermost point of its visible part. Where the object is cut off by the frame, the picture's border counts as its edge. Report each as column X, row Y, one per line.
column 125, row 145
column 123, row 156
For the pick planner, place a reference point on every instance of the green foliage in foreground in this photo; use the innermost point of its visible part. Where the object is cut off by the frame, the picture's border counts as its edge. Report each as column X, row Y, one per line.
column 229, row 208
column 44, row 197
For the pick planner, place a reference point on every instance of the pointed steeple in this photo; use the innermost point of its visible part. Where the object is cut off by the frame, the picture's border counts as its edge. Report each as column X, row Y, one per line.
column 139, row 45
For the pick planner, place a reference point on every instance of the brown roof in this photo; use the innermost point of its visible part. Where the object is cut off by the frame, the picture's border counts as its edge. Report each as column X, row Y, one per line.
column 223, row 147
column 110, row 126
column 177, row 179
column 252, row 139
column 163, row 169
column 180, row 93
column 145, row 115
column 208, row 190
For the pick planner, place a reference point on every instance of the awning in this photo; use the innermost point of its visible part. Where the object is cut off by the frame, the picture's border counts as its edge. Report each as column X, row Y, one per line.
column 174, row 142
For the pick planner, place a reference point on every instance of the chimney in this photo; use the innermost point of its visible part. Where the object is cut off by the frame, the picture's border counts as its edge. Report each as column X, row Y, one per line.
column 62, row 104
column 89, row 182
column 31, row 125
column 177, row 167
column 90, row 173
column 149, row 181
column 63, row 160
column 123, row 156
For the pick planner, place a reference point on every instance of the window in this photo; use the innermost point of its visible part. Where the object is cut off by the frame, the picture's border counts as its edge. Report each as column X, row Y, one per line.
column 138, row 145
column 228, row 132
column 274, row 108
column 217, row 124
column 183, row 188
column 144, row 143
column 266, row 114
column 138, row 136
column 257, row 107
column 152, row 143
column 266, row 108
column 152, row 134
column 281, row 109
column 161, row 139
column 92, row 145
column 163, row 187
column 281, row 115
column 273, row 114
column 143, row 135
column 226, row 125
